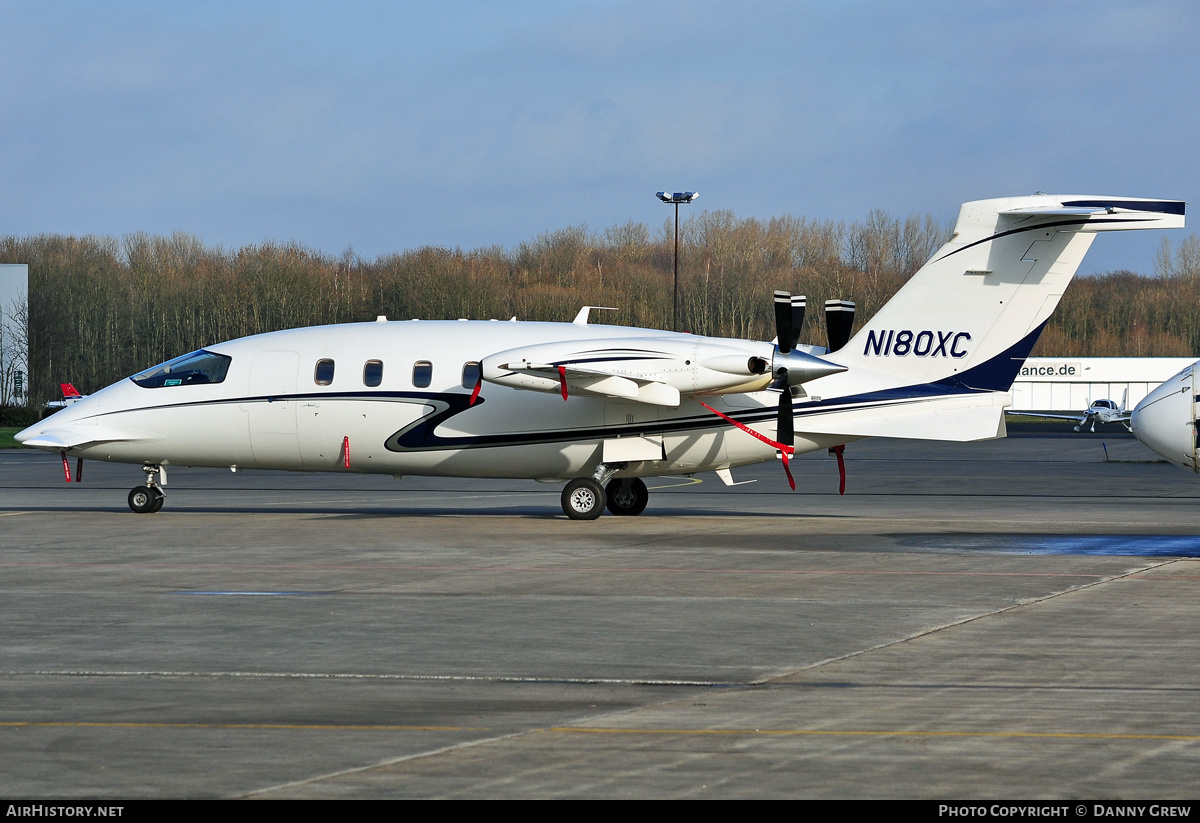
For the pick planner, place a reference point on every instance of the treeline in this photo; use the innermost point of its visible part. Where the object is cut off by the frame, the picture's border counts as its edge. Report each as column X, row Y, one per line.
column 101, row 308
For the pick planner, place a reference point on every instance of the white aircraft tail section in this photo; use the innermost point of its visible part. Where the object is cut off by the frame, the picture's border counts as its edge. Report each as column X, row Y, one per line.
column 970, row 316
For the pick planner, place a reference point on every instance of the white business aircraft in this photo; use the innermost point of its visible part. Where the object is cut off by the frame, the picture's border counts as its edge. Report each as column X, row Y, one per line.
column 1101, row 411
column 1166, row 420
column 600, row 407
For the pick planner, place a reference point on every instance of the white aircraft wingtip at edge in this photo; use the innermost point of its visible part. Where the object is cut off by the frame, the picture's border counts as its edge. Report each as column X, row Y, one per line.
column 1165, row 420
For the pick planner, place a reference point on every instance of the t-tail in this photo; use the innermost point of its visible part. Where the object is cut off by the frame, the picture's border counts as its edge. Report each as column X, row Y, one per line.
column 970, row 316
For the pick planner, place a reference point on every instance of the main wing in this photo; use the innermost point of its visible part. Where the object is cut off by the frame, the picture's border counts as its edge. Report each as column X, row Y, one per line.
column 655, row 370
column 1080, row 419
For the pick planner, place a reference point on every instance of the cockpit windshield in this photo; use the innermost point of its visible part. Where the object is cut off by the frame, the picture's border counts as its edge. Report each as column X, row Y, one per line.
column 198, row 368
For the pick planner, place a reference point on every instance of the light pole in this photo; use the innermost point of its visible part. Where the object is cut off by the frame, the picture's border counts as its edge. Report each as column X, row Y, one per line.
column 676, row 198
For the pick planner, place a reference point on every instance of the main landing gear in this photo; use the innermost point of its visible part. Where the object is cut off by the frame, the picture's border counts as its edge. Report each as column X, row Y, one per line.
column 628, row 496
column 585, row 498
column 149, row 498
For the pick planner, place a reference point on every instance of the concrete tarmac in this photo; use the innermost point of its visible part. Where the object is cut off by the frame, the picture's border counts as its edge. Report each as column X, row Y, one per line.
column 1011, row 619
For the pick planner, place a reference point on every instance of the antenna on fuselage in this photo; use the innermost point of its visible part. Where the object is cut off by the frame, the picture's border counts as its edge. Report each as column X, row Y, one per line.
column 581, row 319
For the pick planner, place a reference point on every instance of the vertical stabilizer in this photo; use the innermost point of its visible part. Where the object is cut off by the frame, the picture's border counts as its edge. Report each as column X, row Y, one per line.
column 972, row 313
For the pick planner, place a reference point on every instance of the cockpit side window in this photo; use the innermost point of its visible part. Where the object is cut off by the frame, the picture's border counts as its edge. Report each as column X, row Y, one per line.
column 195, row 369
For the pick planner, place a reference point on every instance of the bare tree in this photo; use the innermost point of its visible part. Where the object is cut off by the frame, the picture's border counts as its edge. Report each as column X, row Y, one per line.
column 14, row 353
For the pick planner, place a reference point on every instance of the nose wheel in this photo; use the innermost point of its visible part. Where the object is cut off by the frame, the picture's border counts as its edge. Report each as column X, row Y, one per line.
column 146, row 499
column 149, row 498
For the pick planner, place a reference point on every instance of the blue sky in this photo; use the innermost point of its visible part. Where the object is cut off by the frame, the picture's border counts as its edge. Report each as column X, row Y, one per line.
column 384, row 126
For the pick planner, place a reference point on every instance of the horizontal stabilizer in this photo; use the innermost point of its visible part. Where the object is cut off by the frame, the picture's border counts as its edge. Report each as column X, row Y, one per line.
column 1104, row 213
column 959, row 419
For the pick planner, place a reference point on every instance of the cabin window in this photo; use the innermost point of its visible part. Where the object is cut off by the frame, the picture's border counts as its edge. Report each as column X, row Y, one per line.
column 422, row 373
column 470, row 375
column 324, row 372
column 195, row 369
column 373, row 373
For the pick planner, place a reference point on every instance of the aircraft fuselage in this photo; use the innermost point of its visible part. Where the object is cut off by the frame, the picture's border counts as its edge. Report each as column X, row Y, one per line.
column 300, row 400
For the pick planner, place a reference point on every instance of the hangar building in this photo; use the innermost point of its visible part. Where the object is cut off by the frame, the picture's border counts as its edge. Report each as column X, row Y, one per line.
column 1070, row 384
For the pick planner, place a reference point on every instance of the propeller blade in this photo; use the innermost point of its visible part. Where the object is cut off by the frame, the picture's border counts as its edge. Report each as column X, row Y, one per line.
column 839, row 320
column 475, row 391
column 783, row 321
column 798, row 303
column 780, row 381
column 839, row 451
column 785, row 426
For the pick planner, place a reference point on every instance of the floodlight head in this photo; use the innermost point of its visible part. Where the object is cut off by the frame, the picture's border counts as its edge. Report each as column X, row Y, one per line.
column 678, row 196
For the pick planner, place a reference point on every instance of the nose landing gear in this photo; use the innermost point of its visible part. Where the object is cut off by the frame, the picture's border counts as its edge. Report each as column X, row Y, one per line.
column 149, row 498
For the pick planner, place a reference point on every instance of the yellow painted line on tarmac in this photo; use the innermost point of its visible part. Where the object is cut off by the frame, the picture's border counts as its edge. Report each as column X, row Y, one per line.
column 688, row 481
column 11, row 514
column 869, row 733
column 50, row 724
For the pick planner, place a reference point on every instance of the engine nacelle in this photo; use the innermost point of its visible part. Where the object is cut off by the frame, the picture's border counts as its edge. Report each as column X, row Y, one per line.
column 615, row 367
column 1165, row 420
column 655, row 370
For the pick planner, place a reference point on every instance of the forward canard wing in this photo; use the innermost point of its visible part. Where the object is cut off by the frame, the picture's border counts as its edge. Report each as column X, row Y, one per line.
column 41, row 436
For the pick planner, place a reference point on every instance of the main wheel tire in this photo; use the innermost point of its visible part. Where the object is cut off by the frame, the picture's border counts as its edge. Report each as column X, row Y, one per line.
column 583, row 499
column 145, row 499
column 627, row 497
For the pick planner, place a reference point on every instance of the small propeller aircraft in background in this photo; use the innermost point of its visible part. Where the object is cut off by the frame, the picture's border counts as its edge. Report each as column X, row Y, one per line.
column 600, row 407
column 70, row 395
column 1099, row 411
